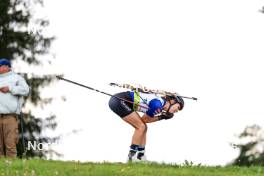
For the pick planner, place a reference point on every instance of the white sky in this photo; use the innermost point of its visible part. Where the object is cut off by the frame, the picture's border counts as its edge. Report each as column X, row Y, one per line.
column 211, row 49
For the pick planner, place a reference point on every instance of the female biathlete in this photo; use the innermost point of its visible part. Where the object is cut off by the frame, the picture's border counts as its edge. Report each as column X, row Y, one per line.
column 155, row 108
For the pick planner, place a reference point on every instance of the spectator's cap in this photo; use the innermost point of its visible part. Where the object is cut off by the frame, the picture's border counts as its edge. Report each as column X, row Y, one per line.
column 6, row 62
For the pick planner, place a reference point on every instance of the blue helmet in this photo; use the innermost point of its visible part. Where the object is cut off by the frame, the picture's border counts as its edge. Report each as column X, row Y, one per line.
column 6, row 62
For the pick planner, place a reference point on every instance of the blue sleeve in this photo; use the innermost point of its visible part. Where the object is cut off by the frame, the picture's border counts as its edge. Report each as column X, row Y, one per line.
column 155, row 106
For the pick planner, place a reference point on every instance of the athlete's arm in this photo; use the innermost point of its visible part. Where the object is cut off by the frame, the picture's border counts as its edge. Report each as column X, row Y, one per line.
column 155, row 107
column 147, row 119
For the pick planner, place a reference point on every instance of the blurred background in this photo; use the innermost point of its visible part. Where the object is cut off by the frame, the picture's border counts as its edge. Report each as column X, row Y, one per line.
column 208, row 49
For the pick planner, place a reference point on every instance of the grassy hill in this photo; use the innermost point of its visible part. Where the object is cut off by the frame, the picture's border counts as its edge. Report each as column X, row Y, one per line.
column 37, row 167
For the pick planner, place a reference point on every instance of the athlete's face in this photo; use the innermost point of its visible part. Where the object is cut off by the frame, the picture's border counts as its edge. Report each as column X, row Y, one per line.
column 175, row 108
column 4, row 69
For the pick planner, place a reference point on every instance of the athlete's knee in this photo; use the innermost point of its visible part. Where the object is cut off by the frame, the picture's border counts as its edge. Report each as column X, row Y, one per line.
column 142, row 127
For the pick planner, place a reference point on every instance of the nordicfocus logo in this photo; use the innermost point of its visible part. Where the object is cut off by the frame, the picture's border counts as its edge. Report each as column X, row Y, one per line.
column 125, row 105
column 34, row 145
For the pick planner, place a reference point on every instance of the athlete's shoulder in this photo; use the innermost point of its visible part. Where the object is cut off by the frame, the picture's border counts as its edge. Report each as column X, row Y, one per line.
column 155, row 107
column 155, row 103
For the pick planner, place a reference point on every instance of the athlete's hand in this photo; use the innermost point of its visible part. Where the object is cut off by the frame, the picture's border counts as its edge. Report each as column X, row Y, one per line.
column 4, row 89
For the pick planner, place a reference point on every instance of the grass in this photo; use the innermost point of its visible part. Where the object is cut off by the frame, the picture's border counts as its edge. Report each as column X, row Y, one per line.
column 38, row 167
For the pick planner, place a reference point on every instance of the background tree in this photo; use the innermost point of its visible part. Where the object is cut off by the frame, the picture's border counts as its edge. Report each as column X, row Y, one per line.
column 19, row 42
column 251, row 147
column 262, row 10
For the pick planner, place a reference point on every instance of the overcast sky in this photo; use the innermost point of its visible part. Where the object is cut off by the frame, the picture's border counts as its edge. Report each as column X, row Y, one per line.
column 212, row 50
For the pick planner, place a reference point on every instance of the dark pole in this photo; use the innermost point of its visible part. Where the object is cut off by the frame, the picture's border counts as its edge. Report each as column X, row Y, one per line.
column 82, row 85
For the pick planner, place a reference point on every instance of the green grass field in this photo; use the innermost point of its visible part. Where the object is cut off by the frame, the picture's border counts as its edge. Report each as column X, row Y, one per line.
column 37, row 167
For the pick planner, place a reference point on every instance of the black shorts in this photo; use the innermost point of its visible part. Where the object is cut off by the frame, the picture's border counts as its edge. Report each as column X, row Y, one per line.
column 121, row 107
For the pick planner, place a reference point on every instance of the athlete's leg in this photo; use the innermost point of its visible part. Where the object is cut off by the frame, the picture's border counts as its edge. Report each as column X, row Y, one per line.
column 144, row 137
column 141, row 149
column 140, row 127
column 125, row 111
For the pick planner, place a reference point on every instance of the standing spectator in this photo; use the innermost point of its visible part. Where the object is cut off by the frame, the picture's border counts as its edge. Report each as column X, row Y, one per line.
column 12, row 87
